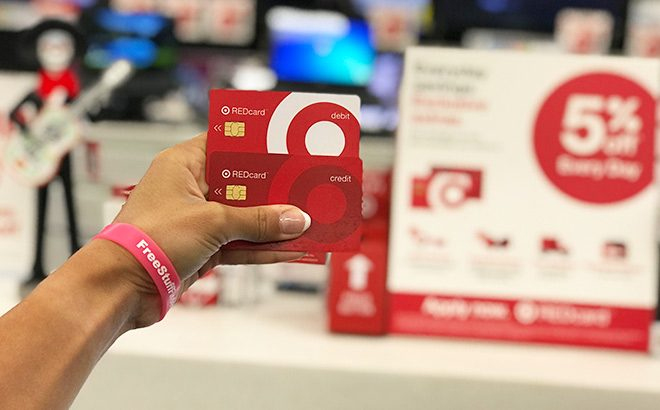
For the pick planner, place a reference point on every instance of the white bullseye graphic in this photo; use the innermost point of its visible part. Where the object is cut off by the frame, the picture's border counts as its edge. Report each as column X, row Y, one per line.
column 226, row 173
column 455, row 195
column 325, row 138
column 225, row 110
column 289, row 107
column 448, row 189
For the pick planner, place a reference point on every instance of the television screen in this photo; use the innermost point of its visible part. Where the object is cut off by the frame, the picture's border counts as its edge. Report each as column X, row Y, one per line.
column 319, row 47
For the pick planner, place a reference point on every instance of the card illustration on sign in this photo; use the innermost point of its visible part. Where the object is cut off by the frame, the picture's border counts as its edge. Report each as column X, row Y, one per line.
column 446, row 187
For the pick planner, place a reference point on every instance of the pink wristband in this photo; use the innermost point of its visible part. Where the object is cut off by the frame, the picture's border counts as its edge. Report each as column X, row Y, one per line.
column 151, row 257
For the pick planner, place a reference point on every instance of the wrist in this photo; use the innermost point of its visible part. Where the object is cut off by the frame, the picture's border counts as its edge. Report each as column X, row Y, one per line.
column 155, row 262
column 103, row 267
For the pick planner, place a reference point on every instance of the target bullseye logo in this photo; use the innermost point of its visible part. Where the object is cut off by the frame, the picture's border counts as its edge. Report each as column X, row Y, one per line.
column 335, row 207
column 225, row 110
column 526, row 312
column 226, row 173
column 304, row 124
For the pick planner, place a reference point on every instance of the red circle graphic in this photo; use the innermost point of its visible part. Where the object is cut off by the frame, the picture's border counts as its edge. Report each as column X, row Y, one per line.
column 594, row 138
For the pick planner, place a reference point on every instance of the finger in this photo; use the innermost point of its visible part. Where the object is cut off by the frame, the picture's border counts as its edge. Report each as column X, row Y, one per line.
column 191, row 154
column 257, row 257
column 198, row 142
column 261, row 223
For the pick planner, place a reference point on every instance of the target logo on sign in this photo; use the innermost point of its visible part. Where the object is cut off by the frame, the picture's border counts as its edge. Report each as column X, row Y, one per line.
column 594, row 138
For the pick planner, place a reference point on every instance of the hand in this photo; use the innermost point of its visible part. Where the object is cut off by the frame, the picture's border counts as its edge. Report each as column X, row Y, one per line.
column 57, row 98
column 169, row 204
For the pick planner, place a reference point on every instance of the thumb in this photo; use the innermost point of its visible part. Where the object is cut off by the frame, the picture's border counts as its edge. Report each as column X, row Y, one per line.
column 261, row 223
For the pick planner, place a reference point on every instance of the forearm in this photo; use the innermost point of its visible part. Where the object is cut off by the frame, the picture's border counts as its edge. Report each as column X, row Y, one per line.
column 50, row 342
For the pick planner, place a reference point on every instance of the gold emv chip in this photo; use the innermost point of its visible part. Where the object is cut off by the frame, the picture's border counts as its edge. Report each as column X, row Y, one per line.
column 236, row 192
column 235, row 129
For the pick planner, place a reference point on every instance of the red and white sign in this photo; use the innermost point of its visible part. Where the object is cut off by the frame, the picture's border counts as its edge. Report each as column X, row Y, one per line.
column 524, row 320
column 594, row 137
column 524, row 209
column 357, row 292
column 376, row 197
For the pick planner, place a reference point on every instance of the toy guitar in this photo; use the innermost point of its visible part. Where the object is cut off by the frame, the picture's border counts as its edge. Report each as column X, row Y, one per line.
column 33, row 154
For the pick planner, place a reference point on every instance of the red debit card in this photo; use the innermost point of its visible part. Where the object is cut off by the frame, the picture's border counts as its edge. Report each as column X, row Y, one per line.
column 272, row 122
column 329, row 189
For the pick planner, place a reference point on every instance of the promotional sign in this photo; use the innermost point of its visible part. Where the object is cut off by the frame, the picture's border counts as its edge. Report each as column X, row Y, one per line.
column 17, row 226
column 289, row 148
column 524, row 206
column 357, row 291
column 357, row 287
column 376, row 197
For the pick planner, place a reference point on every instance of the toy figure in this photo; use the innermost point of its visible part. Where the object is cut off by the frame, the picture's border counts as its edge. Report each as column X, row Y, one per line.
column 48, row 120
column 55, row 45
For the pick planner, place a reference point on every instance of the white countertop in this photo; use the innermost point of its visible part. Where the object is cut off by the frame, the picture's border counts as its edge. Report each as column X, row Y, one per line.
column 288, row 333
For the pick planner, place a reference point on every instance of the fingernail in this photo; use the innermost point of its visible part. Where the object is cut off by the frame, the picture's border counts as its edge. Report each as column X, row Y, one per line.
column 294, row 222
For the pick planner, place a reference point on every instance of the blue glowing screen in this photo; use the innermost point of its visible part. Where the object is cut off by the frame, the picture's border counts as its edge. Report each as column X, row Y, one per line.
column 345, row 58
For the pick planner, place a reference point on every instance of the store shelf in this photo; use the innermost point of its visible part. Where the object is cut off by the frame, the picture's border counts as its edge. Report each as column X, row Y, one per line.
column 277, row 355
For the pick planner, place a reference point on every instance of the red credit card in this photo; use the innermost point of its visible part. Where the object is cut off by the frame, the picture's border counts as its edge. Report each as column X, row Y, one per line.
column 329, row 189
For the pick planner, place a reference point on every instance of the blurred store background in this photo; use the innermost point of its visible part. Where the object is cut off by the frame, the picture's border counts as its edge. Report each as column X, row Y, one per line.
column 183, row 48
